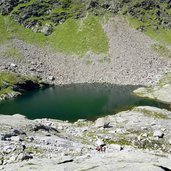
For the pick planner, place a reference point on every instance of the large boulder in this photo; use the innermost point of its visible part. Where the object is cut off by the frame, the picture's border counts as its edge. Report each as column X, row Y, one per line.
column 101, row 122
column 158, row 134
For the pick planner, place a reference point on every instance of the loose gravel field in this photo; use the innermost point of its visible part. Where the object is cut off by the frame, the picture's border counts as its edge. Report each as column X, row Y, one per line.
column 130, row 60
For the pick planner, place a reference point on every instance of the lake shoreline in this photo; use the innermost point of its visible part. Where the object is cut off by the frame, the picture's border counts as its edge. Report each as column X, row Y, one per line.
column 54, row 144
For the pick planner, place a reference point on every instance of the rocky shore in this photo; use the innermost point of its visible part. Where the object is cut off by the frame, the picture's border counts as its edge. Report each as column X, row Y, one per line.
column 13, row 85
column 139, row 139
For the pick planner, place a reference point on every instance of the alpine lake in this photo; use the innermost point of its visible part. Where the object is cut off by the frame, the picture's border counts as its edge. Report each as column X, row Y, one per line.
column 76, row 101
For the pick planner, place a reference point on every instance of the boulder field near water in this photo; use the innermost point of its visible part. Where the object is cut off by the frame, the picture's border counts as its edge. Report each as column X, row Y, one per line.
column 139, row 139
column 160, row 92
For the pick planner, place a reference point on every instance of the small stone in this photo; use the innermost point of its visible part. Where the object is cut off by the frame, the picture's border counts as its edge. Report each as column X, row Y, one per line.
column 13, row 158
column 158, row 133
column 47, row 29
column 31, row 139
column 18, row 131
column 116, row 147
column 144, row 128
column 145, row 135
column 51, row 78
column 16, row 138
column 101, row 122
column 24, row 156
column 60, row 127
column 1, row 162
column 163, row 129
column 99, row 142
column 8, row 149
column 153, row 124
column 170, row 141
column 13, row 65
column 120, row 130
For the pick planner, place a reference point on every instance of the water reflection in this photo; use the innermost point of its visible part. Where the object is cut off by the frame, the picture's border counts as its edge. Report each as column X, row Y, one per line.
column 76, row 101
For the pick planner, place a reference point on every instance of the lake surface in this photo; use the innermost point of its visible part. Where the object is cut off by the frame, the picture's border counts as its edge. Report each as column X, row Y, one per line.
column 77, row 101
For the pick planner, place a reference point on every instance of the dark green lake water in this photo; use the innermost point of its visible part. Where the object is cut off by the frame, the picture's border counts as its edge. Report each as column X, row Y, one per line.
column 73, row 102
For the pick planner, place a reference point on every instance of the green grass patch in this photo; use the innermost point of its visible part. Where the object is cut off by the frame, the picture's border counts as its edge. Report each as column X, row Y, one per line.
column 4, row 36
column 133, row 22
column 166, row 79
column 10, row 78
column 152, row 114
column 10, row 29
column 6, row 91
column 72, row 37
column 88, row 62
column 80, row 36
column 18, row 31
column 162, row 50
column 34, row 150
column 120, row 142
column 7, row 80
column 161, row 35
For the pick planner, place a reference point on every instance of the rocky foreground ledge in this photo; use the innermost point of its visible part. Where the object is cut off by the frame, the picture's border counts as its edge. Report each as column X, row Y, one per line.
column 139, row 139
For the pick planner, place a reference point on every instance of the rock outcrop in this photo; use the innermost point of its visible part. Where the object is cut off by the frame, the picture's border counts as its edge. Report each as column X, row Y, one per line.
column 135, row 140
column 13, row 85
column 161, row 91
column 36, row 14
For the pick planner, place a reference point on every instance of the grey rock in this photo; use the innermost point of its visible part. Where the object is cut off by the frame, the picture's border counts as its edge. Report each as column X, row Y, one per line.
column 12, row 158
column 116, row 147
column 1, row 161
column 18, row 131
column 8, row 149
column 47, row 29
column 158, row 134
column 40, row 126
column 51, row 78
column 169, row 141
column 13, row 65
column 101, row 122
column 30, row 138
column 99, row 142
column 66, row 159
column 24, row 156
column 16, row 138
